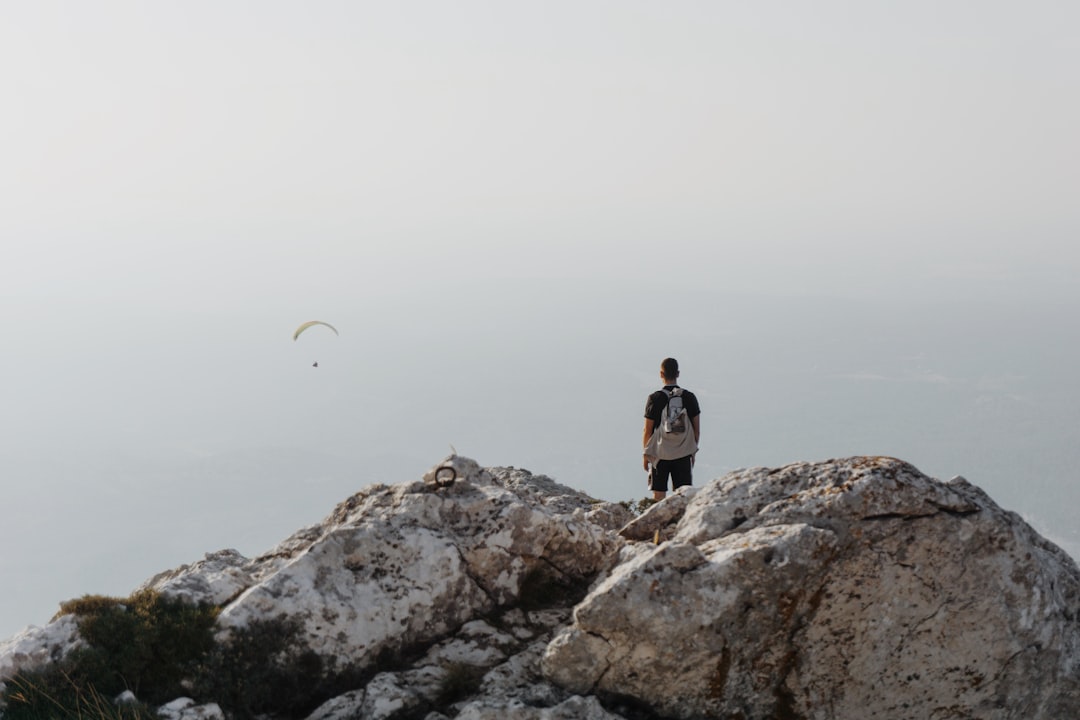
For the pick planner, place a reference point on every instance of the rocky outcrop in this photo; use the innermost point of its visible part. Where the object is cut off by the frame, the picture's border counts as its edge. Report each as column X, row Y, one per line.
column 852, row 588
column 399, row 567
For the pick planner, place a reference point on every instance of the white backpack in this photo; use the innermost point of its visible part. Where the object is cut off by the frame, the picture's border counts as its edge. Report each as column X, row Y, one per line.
column 675, row 421
column 673, row 437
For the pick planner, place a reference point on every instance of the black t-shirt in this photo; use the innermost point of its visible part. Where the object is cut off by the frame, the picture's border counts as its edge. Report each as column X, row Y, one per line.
column 654, row 406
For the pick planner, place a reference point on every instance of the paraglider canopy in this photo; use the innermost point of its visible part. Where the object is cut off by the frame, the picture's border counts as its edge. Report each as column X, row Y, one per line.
column 311, row 323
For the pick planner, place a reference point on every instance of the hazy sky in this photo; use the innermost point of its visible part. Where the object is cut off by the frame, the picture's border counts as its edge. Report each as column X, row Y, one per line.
column 499, row 204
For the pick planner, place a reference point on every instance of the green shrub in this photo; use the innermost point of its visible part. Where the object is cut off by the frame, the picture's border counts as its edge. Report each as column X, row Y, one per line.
column 147, row 643
column 162, row 649
column 88, row 605
column 266, row 667
column 150, row 643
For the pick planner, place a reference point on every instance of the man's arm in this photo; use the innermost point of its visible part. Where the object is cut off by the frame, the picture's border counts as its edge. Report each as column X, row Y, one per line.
column 695, row 422
column 649, row 425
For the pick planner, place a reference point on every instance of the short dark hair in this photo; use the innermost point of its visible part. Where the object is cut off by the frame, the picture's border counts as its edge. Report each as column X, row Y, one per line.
column 670, row 368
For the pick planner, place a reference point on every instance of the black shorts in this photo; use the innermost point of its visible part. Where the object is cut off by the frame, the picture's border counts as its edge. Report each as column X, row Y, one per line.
column 680, row 471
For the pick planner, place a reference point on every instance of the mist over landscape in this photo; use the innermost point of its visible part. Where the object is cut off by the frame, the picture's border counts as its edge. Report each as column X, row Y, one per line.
column 855, row 228
column 157, row 462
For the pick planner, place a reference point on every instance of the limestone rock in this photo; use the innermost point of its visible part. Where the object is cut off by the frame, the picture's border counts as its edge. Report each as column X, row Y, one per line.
column 853, row 588
column 126, row 698
column 386, row 696
column 216, row 579
column 850, row 588
column 401, row 566
column 343, row 706
column 188, row 709
column 503, row 661
column 660, row 517
column 37, row 646
column 574, row 708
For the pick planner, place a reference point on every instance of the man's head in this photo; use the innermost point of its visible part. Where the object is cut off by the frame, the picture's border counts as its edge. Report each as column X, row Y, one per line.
column 669, row 369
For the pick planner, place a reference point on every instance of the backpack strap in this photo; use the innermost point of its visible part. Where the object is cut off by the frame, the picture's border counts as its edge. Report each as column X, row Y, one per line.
column 676, row 390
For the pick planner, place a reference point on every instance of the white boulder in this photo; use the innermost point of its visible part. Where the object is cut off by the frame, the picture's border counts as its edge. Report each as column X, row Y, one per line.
column 406, row 565
column 36, row 646
column 850, row 588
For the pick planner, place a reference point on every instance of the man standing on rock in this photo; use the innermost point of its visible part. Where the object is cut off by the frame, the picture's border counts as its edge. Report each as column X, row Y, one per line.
column 672, row 430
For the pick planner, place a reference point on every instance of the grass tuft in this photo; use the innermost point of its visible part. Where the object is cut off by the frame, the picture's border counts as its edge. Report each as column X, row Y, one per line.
column 63, row 691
